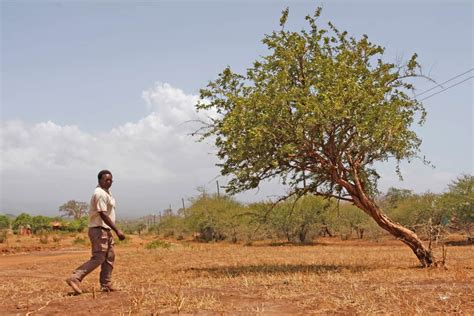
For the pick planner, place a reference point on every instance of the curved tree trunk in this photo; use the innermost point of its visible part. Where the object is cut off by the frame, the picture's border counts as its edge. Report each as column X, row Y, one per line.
column 408, row 237
column 405, row 235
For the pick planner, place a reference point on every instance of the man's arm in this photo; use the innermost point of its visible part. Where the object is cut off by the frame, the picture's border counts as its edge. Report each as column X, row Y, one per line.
column 111, row 224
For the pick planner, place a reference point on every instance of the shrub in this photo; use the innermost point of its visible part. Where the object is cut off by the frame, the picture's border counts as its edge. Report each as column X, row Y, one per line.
column 4, row 222
column 78, row 225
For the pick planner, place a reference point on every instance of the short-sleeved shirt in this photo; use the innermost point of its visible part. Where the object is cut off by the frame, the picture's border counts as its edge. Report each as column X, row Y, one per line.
column 101, row 201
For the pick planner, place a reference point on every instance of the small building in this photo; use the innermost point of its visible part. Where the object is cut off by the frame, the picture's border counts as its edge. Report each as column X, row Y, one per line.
column 56, row 225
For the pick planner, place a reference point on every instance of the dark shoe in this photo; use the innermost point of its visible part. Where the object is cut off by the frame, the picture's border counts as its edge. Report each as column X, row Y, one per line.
column 108, row 288
column 74, row 284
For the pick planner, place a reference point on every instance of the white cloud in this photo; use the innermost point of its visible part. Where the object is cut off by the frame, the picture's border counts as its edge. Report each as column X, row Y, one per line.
column 148, row 157
column 171, row 105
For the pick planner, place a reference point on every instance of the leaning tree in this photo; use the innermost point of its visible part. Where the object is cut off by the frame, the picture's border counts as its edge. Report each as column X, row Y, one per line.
column 318, row 111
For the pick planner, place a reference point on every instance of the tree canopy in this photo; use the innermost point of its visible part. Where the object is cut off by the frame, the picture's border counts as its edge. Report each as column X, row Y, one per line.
column 74, row 209
column 321, row 108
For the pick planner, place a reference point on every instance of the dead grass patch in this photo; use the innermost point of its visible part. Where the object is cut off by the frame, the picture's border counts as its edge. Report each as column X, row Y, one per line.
column 360, row 278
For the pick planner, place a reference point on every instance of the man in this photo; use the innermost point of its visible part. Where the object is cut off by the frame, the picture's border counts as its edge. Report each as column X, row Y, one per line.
column 101, row 222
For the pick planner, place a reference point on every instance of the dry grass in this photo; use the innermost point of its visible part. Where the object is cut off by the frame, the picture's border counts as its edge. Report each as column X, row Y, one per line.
column 330, row 277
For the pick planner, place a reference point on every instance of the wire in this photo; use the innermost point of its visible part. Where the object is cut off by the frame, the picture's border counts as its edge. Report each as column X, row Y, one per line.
column 440, row 85
column 447, row 88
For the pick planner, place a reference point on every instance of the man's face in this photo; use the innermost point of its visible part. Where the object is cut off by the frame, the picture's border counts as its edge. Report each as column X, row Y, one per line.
column 106, row 181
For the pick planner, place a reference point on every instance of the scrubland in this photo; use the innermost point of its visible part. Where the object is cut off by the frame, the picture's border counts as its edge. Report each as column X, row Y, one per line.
column 329, row 277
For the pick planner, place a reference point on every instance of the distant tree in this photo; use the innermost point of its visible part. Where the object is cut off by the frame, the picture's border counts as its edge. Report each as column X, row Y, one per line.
column 296, row 219
column 318, row 112
column 215, row 218
column 350, row 219
column 395, row 196
column 459, row 202
column 40, row 223
column 4, row 222
column 74, row 209
column 22, row 220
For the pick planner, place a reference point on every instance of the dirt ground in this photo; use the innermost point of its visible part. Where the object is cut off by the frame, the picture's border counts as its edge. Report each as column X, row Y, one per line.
column 329, row 277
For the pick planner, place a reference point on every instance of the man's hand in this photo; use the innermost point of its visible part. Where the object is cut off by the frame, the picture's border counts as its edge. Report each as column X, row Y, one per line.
column 120, row 234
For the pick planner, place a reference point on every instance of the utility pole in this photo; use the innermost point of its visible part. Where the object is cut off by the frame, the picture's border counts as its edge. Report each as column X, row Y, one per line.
column 218, row 193
column 182, row 200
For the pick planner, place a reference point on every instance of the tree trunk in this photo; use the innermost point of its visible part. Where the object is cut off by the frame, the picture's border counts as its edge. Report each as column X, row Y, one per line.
column 408, row 237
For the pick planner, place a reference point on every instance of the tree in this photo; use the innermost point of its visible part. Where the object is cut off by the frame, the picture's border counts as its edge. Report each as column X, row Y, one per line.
column 40, row 223
column 74, row 209
column 318, row 111
column 395, row 196
column 22, row 220
column 297, row 218
column 4, row 222
column 215, row 217
column 459, row 202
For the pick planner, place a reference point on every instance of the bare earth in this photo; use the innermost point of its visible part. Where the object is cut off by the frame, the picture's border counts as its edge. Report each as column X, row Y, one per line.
column 332, row 276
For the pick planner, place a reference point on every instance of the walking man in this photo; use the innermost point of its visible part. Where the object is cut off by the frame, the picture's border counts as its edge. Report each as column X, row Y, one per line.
column 101, row 222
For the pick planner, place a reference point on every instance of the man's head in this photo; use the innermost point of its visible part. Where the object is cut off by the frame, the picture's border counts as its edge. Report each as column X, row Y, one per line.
column 105, row 179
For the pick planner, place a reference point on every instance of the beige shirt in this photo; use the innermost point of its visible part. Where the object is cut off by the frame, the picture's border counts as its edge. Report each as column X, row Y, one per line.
column 101, row 201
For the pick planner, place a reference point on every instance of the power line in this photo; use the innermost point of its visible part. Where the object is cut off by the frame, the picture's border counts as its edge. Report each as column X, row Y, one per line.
column 447, row 88
column 440, row 85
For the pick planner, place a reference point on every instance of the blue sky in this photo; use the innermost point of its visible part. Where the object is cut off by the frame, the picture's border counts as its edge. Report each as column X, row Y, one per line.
column 87, row 85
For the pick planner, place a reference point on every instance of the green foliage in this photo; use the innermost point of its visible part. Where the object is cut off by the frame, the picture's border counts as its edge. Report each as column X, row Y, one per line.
column 170, row 225
column 298, row 219
column 216, row 218
column 22, row 220
column 40, row 223
column 4, row 222
column 77, row 225
column 417, row 210
column 349, row 219
column 459, row 202
column 318, row 112
column 157, row 244
column 74, row 209
column 395, row 196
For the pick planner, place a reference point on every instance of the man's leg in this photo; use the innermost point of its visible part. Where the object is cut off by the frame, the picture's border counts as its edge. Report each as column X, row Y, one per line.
column 107, row 265
column 99, row 247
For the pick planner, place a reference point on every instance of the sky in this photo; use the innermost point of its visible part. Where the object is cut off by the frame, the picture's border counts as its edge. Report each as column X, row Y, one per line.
column 92, row 85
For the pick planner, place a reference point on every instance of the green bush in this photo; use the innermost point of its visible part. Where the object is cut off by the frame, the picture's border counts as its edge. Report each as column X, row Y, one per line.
column 78, row 225
column 21, row 220
column 4, row 222
column 298, row 220
column 40, row 224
